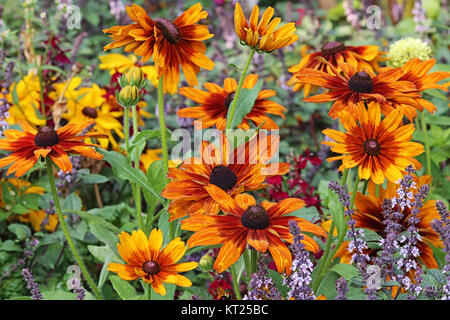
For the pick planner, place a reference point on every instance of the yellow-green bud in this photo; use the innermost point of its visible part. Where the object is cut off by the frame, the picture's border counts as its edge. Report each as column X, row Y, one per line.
column 406, row 49
column 206, row 262
column 135, row 77
column 128, row 96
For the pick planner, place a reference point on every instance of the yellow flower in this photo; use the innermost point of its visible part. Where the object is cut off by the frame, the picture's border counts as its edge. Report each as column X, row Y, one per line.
column 263, row 36
column 28, row 96
column 144, row 259
column 93, row 107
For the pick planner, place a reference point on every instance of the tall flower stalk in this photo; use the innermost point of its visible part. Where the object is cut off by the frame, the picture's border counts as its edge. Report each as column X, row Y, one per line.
column 66, row 232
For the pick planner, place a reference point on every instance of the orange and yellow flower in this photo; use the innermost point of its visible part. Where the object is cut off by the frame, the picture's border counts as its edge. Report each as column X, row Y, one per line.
column 380, row 149
column 262, row 35
column 416, row 72
column 360, row 57
column 214, row 103
column 369, row 215
column 235, row 171
column 264, row 226
column 29, row 145
column 145, row 259
column 173, row 44
column 351, row 87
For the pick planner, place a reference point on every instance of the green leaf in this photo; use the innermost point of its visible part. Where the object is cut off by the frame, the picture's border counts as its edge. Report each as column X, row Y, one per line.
column 101, row 253
column 95, row 219
column 345, row 270
column 106, row 236
column 20, row 230
column 10, row 245
column 94, row 178
column 50, row 67
column 72, row 202
column 123, row 170
column 125, row 290
column 245, row 103
column 170, row 291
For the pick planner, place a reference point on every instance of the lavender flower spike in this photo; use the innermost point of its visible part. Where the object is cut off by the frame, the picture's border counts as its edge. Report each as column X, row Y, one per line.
column 302, row 267
column 33, row 286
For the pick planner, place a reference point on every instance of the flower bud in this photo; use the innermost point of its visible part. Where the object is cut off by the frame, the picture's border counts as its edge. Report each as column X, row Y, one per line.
column 206, row 262
column 128, row 96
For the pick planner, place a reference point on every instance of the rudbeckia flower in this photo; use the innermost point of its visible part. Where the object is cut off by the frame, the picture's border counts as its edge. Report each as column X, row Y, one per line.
column 264, row 226
column 145, row 259
column 350, row 88
column 214, row 103
column 173, row 44
column 29, row 145
column 369, row 215
column 360, row 57
column 262, row 36
column 243, row 169
column 416, row 71
column 28, row 98
column 380, row 149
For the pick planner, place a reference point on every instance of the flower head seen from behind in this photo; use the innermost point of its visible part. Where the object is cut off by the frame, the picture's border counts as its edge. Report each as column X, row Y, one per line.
column 263, row 36
column 146, row 259
column 214, row 103
column 264, row 226
column 173, row 44
column 360, row 57
column 29, row 145
column 380, row 149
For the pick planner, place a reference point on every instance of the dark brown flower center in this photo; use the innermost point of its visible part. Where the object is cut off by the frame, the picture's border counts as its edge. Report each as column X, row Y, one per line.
column 255, row 217
column 168, row 29
column 151, row 267
column 332, row 48
column 223, row 177
column 372, row 147
column 229, row 99
column 46, row 137
column 361, row 82
column 90, row 112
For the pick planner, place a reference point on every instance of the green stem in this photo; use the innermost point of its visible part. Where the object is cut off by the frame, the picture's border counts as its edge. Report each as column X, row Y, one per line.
column 321, row 263
column 137, row 189
column 62, row 222
column 340, row 239
column 427, row 143
column 238, row 90
column 126, row 130
column 162, row 125
column 344, row 178
column 366, row 182
column 165, row 150
column 247, row 264
column 235, row 282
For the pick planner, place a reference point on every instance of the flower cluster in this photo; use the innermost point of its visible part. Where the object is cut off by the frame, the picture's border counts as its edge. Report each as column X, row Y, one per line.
column 300, row 278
